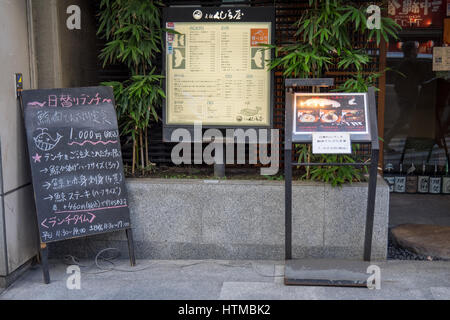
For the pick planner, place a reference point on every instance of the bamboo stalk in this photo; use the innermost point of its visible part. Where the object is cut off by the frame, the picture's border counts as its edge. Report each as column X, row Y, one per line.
column 308, row 168
column 134, row 156
column 142, row 152
column 147, row 162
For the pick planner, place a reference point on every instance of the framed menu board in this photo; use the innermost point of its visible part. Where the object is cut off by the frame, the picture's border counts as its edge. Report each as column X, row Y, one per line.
column 216, row 69
column 330, row 112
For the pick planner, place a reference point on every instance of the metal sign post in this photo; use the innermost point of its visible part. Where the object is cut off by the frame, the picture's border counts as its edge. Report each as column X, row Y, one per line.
column 331, row 272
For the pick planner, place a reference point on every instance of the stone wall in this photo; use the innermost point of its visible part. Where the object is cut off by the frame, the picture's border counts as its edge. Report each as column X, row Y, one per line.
column 236, row 219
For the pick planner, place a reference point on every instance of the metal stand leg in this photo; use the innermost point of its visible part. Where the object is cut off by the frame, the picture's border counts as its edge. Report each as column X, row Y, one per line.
column 129, row 233
column 44, row 262
column 219, row 169
column 373, row 173
column 288, row 203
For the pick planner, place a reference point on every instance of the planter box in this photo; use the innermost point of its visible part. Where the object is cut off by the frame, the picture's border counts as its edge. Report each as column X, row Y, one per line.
column 241, row 219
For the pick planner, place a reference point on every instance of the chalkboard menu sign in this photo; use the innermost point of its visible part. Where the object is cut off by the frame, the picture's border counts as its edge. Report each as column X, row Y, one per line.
column 76, row 162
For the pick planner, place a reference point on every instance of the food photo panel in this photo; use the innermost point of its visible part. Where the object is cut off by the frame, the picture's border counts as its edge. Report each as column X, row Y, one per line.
column 330, row 112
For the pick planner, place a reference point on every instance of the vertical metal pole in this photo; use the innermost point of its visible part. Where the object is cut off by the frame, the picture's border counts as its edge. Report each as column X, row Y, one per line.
column 288, row 174
column 129, row 234
column 219, row 168
column 288, row 203
column 373, row 174
column 371, row 205
column 44, row 261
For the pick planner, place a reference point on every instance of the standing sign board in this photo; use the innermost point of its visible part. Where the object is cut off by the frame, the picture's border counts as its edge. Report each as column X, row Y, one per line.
column 76, row 165
column 216, row 69
column 330, row 121
column 76, row 162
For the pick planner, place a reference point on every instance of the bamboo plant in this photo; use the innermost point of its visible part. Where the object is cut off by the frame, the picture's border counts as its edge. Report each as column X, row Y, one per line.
column 323, row 40
column 133, row 34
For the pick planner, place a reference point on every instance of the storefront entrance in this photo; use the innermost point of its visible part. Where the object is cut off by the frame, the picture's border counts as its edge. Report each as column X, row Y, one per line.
column 417, row 119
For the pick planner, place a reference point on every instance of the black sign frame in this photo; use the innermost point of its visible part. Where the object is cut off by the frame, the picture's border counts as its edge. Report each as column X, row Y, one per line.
column 306, row 137
column 292, row 278
column 186, row 14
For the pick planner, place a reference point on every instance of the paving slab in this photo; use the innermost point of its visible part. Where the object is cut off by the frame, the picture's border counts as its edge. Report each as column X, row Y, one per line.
column 272, row 291
column 223, row 279
column 326, row 272
column 424, row 239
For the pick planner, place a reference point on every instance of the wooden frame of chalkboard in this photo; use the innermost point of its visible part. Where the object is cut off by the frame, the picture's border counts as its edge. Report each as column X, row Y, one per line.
column 76, row 165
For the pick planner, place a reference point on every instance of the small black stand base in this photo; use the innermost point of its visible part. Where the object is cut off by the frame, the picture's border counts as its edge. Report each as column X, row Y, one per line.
column 326, row 272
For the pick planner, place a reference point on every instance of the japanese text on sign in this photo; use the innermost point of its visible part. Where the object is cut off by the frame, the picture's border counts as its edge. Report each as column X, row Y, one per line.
column 331, row 143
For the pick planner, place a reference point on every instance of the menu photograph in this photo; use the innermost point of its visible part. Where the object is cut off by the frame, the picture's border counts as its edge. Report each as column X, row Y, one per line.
column 216, row 73
column 330, row 112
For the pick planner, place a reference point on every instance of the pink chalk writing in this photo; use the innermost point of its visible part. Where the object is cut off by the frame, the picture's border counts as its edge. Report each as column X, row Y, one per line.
column 69, row 219
column 96, row 209
column 36, row 104
column 91, row 142
column 67, row 100
column 36, row 158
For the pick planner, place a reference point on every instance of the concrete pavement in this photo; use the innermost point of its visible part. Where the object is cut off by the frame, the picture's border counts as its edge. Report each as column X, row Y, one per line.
column 214, row 279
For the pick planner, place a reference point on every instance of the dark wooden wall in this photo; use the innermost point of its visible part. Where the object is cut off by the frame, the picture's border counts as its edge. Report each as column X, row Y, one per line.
column 287, row 12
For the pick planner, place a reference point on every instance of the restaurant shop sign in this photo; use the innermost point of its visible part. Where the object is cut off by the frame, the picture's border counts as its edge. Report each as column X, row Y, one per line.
column 418, row 13
column 76, row 162
column 330, row 120
column 216, row 69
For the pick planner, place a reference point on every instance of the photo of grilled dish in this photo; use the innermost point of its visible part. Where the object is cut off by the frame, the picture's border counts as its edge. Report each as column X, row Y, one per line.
column 352, row 116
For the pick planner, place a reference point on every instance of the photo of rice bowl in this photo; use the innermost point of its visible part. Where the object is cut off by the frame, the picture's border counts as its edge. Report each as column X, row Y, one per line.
column 307, row 116
column 328, row 116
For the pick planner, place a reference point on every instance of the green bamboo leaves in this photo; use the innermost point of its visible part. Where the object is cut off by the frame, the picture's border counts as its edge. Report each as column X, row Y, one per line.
column 324, row 40
column 132, row 28
column 133, row 32
column 334, row 175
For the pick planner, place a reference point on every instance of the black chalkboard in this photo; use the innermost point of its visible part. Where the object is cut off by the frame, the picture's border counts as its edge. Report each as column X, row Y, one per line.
column 76, row 162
